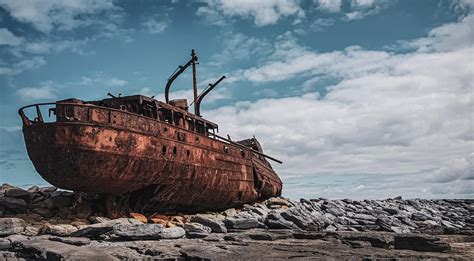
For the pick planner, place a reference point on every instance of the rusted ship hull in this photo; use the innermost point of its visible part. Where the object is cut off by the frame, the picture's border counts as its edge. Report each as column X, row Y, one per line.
column 107, row 151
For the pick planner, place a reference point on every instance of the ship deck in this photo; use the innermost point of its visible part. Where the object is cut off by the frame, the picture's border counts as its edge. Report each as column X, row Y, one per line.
column 105, row 150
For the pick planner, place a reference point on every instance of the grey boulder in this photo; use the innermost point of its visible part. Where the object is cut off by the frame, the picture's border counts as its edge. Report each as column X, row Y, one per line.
column 102, row 228
column 196, row 230
column 172, row 233
column 139, row 231
column 216, row 226
column 60, row 230
column 241, row 223
column 17, row 205
column 10, row 226
column 17, row 193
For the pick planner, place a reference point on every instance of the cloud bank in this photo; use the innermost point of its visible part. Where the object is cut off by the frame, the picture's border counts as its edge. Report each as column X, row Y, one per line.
column 390, row 113
column 394, row 120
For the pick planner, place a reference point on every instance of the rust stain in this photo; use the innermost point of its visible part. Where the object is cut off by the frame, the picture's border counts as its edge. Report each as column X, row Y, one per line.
column 144, row 154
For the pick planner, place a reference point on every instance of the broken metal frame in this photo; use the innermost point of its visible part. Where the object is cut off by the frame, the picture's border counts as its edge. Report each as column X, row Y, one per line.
column 175, row 75
column 198, row 100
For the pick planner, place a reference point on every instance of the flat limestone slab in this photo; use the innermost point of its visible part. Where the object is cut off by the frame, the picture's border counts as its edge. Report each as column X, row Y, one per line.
column 52, row 250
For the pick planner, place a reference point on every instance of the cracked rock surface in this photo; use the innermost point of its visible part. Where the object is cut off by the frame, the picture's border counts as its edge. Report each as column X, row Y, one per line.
column 49, row 224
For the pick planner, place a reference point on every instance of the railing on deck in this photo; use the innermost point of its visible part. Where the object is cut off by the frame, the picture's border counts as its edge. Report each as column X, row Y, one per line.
column 39, row 116
column 39, row 119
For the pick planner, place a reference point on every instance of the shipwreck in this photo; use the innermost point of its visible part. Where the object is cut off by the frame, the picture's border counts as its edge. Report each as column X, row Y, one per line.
column 147, row 155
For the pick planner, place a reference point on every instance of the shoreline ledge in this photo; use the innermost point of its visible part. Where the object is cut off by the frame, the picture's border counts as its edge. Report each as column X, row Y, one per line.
column 51, row 224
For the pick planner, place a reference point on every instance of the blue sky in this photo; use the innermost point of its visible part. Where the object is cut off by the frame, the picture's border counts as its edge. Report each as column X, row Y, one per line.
column 359, row 98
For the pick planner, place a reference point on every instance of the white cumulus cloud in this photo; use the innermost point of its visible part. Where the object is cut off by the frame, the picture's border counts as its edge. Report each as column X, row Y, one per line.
column 457, row 169
column 330, row 5
column 263, row 12
column 37, row 93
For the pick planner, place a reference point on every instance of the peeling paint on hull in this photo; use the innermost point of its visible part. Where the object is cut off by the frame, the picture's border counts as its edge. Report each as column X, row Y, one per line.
column 107, row 151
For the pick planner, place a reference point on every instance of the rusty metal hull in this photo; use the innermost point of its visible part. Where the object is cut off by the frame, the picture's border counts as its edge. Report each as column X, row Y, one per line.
column 173, row 168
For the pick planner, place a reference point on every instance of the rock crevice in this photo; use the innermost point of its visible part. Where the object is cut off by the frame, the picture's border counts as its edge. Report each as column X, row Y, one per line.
column 46, row 223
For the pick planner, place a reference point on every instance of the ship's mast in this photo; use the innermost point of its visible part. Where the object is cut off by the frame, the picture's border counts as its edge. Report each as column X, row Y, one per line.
column 178, row 72
column 195, row 88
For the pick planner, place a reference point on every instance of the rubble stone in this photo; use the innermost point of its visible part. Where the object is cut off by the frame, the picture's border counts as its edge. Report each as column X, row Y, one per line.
column 215, row 225
column 196, row 228
column 172, row 233
column 139, row 231
column 10, row 226
column 16, row 205
column 17, row 193
column 59, row 200
column 339, row 229
column 230, row 212
column 241, row 223
column 31, row 231
column 139, row 217
column 276, row 221
column 277, row 201
column 59, row 230
column 102, row 228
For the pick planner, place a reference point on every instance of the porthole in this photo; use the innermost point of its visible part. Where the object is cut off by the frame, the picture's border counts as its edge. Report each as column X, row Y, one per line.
column 175, row 150
column 181, row 136
column 163, row 150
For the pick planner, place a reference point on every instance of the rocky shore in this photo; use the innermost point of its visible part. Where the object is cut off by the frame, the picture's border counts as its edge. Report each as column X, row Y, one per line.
column 50, row 224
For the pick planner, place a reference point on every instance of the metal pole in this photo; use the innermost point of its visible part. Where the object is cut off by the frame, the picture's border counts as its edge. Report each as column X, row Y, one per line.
column 197, row 103
column 175, row 75
column 195, row 88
